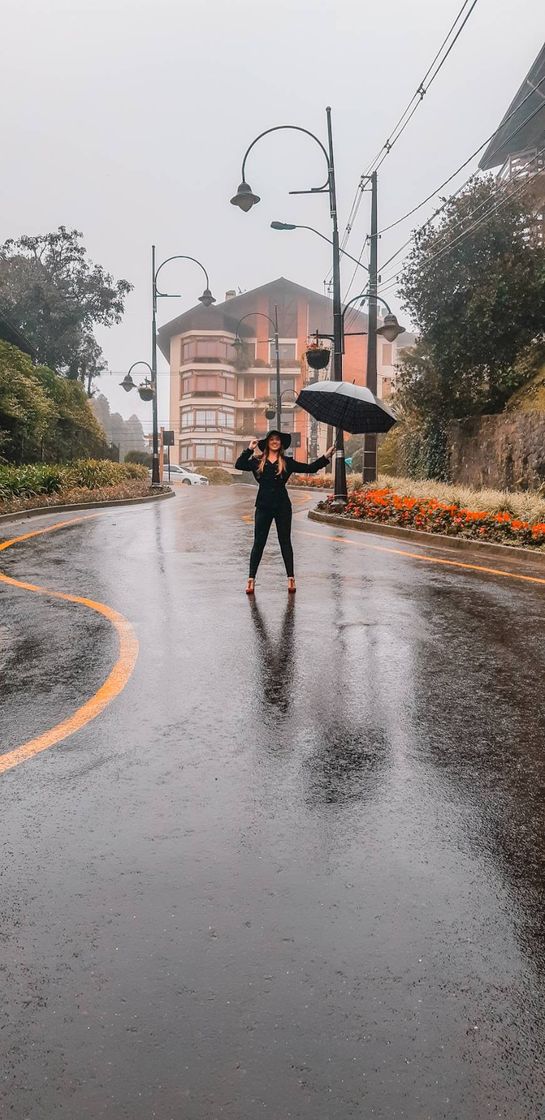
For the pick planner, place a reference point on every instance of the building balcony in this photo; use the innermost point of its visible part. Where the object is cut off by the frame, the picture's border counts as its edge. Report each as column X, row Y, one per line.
column 212, row 429
column 522, row 164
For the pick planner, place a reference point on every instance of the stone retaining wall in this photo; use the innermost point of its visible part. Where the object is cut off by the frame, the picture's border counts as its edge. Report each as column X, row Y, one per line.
column 505, row 452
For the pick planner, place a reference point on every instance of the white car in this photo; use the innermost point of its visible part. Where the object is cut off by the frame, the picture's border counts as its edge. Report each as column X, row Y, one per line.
column 182, row 474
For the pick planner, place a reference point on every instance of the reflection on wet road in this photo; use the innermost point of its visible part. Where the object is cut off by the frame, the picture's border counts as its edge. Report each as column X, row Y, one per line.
column 297, row 867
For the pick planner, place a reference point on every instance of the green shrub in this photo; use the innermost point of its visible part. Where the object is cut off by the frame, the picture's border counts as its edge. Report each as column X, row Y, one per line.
column 46, row 478
column 216, row 476
column 142, row 457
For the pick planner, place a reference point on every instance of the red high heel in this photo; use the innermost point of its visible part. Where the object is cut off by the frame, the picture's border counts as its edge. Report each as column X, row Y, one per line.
column 250, row 586
column 291, row 585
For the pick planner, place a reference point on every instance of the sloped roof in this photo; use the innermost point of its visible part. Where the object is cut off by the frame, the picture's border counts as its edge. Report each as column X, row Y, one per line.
column 226, row 316
column 518, row 132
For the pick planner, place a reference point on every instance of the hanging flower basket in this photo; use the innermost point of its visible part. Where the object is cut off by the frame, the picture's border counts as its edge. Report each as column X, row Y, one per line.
column 318, row 356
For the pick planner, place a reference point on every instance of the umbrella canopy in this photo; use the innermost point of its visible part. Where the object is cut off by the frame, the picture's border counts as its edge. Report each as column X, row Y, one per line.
column 352, row 408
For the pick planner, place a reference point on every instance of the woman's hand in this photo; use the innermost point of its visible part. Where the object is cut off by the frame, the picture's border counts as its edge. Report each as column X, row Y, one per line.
column 254, row 448
column 329, row 452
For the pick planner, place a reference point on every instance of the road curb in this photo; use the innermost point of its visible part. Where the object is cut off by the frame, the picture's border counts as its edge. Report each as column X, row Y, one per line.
column 457, row 544
column 44, row 510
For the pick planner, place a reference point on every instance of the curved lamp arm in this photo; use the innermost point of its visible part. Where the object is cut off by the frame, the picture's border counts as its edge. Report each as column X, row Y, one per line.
column 362, row 297
column 294, row 128
column 177, row 257
column 249, row 316
column 146, row 364
column 290, row 225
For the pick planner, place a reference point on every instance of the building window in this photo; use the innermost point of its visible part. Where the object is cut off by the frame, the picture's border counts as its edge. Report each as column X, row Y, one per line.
column 205, row 418
column 287, row 352
column 208, row 349
column 287, row 422
column 287, row 385
column 212, row 384
column 387, row 353
column 188, row 418
column 246, row 389
column 225, row 454
column 204, row 451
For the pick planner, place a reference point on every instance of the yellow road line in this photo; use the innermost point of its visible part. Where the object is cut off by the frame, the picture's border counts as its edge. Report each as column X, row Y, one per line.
column 112, row 686
column 425, row 558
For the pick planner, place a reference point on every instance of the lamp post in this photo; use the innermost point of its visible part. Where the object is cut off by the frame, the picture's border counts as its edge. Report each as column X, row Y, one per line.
column 389, row 330
column 245, row 199
column 238, row 343
column 207, row 299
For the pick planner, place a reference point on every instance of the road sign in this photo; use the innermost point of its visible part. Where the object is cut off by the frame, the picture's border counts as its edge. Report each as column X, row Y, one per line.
column 168, row 439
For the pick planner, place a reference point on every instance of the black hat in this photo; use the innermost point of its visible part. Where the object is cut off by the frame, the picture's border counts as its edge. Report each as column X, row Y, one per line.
column 283, row 436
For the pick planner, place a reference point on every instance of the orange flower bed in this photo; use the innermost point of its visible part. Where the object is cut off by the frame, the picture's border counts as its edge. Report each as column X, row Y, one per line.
column 433, row 516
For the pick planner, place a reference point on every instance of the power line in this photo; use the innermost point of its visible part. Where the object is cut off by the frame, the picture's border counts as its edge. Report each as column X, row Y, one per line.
column 446, row 248
column 420, row 93
column 463, row 165
column 471, row 157
column 404, row 119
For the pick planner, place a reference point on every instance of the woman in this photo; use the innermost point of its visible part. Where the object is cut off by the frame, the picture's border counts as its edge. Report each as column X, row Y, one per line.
column 271, row 470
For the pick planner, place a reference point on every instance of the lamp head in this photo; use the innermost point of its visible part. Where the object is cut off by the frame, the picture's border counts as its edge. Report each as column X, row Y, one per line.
column 282, row 225
column 127, row 384
column 238, row 344
column 245, row 197
column 207, row 299
column 390, row 328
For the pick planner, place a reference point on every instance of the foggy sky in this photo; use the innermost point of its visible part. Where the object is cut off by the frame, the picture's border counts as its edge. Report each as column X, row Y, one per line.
column 128, row 119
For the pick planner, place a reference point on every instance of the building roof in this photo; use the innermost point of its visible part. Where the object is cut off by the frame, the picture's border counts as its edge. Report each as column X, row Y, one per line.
column 227, row 315
column 517, row 132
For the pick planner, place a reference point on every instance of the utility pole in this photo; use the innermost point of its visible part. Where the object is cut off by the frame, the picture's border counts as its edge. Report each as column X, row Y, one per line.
column 155, row 475
column 340, row 465
column 370, row 440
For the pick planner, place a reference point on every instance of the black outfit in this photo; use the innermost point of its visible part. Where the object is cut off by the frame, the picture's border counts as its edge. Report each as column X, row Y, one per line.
column 273, row 504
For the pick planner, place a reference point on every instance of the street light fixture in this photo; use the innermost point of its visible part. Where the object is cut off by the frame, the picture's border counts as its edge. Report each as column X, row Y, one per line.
column 390, row 330
column 245, row 199
column 207, row 299
column 290, row 226
column 146, row 390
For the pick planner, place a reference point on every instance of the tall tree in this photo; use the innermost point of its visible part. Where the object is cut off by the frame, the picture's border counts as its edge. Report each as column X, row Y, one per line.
column 474, row 285
column 55, row 295
column 43, row 416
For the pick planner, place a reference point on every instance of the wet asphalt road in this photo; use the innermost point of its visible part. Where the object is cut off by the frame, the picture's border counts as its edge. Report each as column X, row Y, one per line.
column 296, row 869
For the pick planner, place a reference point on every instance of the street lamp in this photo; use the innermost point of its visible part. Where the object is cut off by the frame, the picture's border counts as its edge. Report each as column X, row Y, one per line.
column 245, row 199
column 290, row 226
column 390, row 330
column 146, row 390
column 207, row 299
column 238, row 343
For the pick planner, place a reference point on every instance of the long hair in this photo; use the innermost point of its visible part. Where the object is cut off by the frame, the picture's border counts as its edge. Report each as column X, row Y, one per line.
column 280, row 462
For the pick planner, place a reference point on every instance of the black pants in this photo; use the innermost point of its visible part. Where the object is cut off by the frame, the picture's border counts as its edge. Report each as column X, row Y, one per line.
column 263, row 521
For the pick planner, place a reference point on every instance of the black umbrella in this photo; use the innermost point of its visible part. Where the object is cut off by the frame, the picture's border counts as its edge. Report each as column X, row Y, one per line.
column 341, row 404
